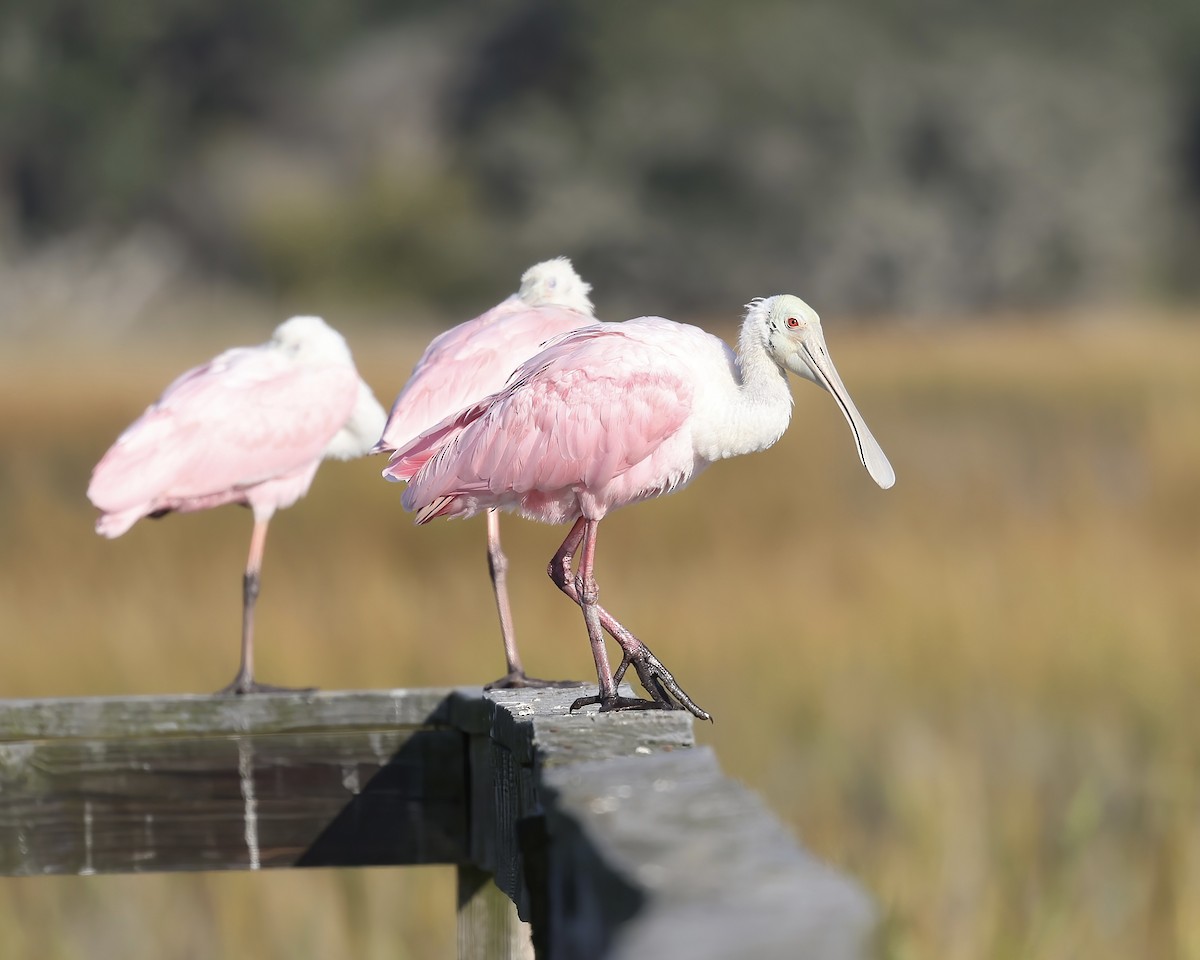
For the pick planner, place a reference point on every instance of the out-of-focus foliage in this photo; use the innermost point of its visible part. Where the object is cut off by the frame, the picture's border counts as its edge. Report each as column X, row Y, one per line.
column 872, row 154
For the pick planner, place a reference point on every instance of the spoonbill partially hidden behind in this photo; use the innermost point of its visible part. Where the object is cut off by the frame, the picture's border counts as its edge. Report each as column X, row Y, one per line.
column 612, row 414
column 471, row 361
column 250, row 426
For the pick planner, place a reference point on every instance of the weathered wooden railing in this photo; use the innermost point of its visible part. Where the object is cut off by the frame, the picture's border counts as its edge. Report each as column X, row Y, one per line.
column 612, row 833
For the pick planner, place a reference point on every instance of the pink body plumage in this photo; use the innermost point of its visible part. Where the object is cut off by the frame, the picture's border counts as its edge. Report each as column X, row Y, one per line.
column 245, row 428
column 598, row 419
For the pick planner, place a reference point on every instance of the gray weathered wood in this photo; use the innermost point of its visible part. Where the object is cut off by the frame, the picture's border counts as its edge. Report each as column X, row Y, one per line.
column 664, row 856
column 610, row 833
column 99, row 718
column 187, row 783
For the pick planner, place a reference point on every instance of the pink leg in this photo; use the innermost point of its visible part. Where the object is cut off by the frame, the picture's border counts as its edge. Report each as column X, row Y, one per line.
column 244, row 681
column 588, row 593
column 498, row 567
column 583, row 590
column 560, row 573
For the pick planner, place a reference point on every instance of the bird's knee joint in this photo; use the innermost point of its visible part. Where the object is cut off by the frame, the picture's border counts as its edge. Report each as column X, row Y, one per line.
column 497, row 562
column 250, row 587
column 589, row 592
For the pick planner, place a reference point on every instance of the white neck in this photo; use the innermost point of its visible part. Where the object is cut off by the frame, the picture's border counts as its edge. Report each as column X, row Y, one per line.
column 359, row 434
column 748, row 409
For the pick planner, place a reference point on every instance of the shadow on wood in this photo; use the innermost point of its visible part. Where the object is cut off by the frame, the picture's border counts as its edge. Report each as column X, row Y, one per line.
column 413, row 810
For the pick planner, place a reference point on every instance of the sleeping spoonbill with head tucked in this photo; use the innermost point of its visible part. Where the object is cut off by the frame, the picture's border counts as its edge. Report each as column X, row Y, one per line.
column 250, row 426
column 473, row 360
column 612, row 414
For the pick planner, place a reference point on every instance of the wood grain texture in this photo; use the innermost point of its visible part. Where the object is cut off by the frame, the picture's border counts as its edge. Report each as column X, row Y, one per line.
column 202, row 783
column 100, row 718
column 488, row 925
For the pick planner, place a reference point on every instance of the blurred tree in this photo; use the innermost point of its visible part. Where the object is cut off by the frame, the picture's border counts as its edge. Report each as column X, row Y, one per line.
column 100, row 102
column 876, row 155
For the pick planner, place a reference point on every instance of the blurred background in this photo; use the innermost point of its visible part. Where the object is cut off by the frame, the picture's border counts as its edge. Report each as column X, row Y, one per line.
column 974, row 692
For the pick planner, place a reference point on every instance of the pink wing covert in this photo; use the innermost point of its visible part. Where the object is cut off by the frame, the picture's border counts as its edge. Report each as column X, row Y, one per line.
column 582, row 413
column 471, row 361
column 247, row 417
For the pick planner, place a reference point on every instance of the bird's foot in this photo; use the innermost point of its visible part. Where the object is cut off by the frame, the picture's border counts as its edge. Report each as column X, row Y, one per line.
column 517, row 680
column 667, row 694
column 242, row 685
column 612, row 703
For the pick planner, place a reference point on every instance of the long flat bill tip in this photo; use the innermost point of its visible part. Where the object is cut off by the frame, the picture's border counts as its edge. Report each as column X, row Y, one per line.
column 878, row 466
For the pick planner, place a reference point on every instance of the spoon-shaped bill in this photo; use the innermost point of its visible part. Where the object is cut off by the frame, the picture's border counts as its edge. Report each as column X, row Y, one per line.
column 826, row 375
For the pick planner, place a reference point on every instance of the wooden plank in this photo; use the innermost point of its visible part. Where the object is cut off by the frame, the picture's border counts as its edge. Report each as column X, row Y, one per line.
column 240, row 783
column 103, row 718
column 664, row 856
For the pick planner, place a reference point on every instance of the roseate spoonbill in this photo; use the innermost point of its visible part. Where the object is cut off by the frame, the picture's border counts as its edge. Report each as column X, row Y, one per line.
column 251, row 426
column 611, row 414
column 467, row 363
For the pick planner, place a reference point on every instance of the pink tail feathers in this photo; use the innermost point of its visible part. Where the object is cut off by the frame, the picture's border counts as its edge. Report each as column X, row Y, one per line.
column 439, row 506
column 112, row 525
column 405, row 465
column 408, row 460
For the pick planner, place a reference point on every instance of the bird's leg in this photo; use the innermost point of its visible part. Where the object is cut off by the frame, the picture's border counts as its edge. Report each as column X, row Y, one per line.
column 653, row 675
column 560, row 573
column 589, row 593
column 244, row 681
column 498, row 568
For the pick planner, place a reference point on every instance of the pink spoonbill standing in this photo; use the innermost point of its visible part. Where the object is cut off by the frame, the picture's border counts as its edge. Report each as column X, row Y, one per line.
column 613, row 414
column 473, row 360
column 251, row 426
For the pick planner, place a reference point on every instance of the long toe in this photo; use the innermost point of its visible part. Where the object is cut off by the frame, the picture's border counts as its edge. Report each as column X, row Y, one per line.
column 653, row 675
column 662, row 686
column 241, row 687
column 636, row 703
column 518, row 680
column 583, row 702
column 610, row 704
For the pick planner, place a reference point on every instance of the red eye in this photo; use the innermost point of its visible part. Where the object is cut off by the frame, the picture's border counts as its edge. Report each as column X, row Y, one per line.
column 793, row 322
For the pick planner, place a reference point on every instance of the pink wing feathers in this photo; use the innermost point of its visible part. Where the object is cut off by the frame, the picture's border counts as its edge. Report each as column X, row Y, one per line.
column 247, row 417
column 471, row 361
column 584, row 411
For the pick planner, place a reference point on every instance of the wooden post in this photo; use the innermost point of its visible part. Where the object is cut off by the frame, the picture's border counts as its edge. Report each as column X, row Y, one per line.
column 488, row 925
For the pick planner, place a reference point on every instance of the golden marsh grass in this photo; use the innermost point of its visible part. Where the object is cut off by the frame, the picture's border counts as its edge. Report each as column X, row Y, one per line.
column 975, row 692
